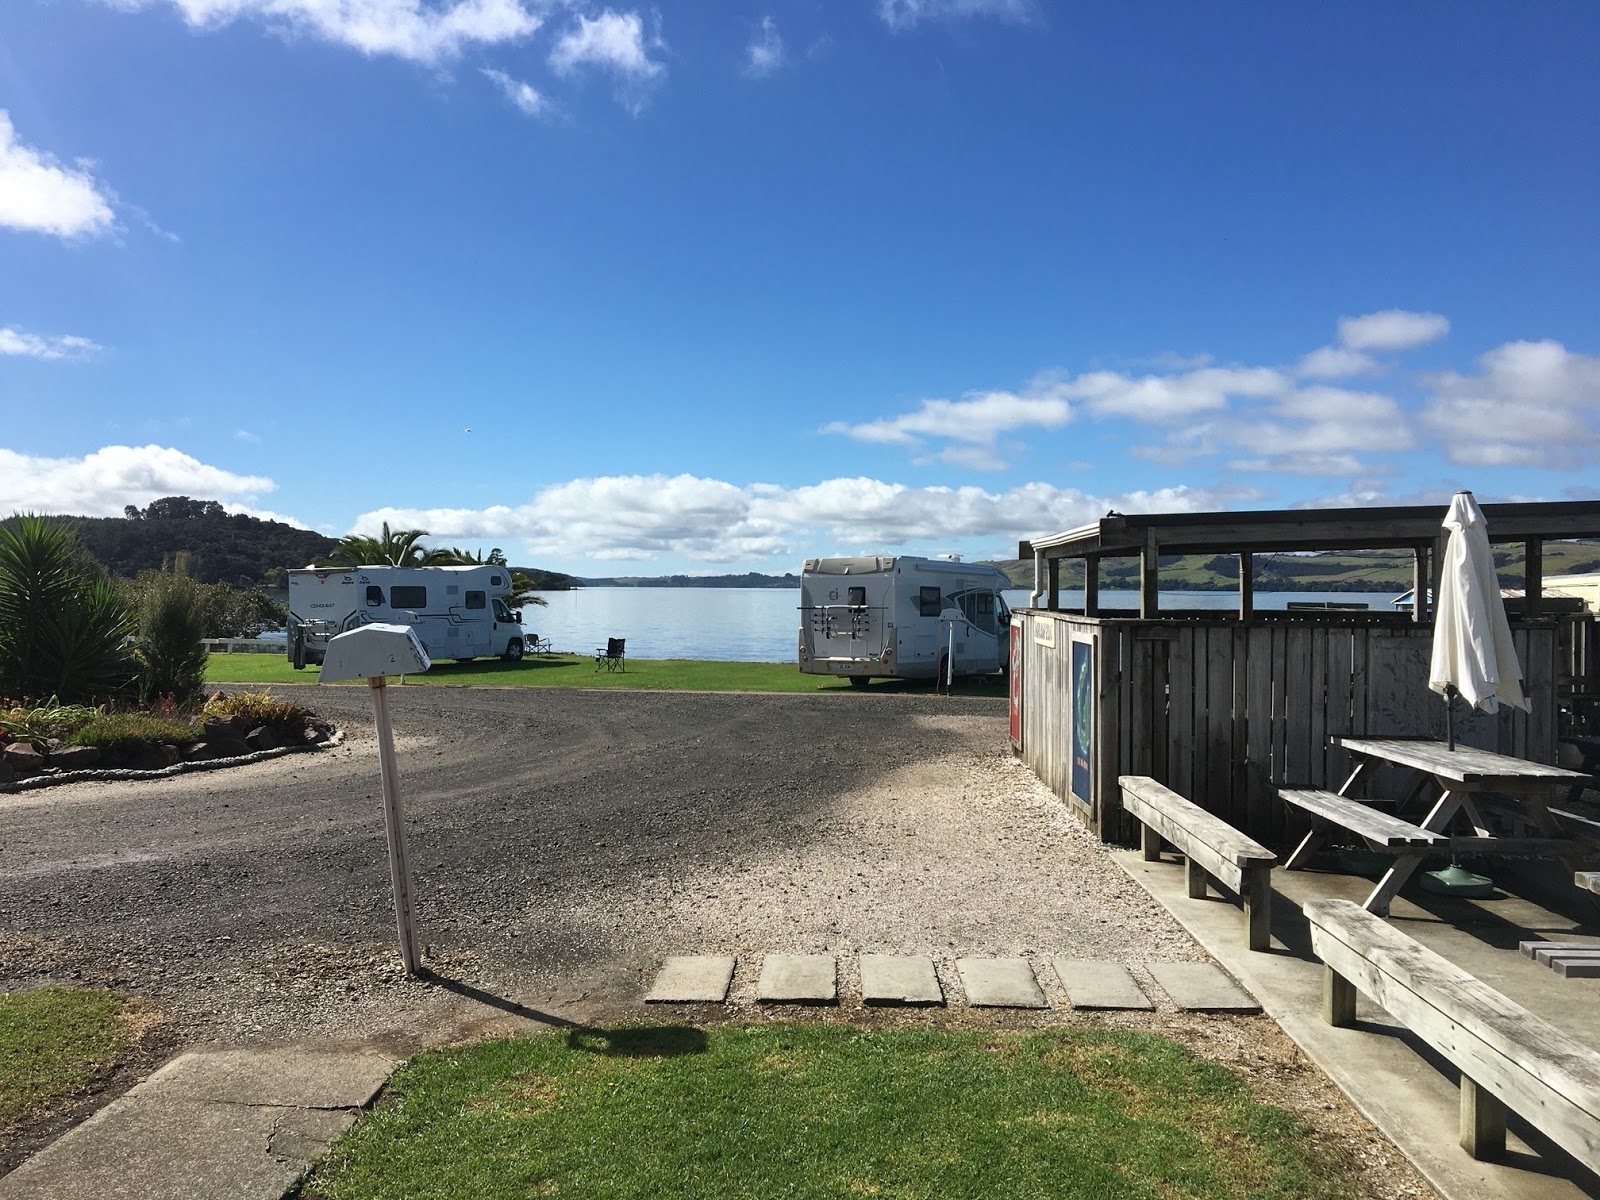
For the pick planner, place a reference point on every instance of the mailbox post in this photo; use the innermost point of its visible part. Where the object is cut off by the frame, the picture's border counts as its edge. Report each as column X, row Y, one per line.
column 374, row 652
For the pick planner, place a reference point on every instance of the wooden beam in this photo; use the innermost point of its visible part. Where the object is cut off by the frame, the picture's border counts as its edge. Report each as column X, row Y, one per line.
column 1436, row 574
column 1247, row 585
column 1091, row 586
column 1053, row 593
column 1420, row 581
column 1533, row 576
column 1149, row 562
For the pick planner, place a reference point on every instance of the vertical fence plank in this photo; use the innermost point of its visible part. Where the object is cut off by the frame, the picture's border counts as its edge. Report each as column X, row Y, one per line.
column 1262, row 804
column 1180, row 712
column 1220, row 797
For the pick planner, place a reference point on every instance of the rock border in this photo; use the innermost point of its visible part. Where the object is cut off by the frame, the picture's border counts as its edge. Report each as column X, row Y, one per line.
column 113, row 774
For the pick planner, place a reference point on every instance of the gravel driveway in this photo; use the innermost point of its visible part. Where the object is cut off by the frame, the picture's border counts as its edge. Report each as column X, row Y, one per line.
column 563, row 842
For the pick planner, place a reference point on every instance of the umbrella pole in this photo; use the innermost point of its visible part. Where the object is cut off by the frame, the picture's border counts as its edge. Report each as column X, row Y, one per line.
column 1450, row 716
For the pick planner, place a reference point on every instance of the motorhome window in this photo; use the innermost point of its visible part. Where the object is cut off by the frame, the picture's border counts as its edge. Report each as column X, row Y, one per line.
column 985, row 603
column 496, row 581
column 477, row 599
column 374, row 596
column 858, row 596
column 408, row 597
column 501, row 612
column 929, row 602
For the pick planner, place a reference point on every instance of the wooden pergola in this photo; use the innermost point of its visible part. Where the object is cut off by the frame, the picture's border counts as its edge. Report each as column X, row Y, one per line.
column 1416, row 528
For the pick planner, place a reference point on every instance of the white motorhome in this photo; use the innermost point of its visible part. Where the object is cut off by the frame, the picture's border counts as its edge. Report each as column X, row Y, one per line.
column 902, row 617
column 457, row 612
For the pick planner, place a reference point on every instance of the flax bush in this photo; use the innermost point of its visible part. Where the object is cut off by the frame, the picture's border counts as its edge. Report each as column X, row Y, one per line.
column 172, row 618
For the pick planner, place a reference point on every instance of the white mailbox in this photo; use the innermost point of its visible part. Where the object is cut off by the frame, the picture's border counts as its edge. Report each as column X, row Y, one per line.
column 374, row 650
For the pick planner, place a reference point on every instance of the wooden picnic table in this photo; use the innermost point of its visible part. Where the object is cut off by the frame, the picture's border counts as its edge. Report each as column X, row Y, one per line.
column 1466, row 781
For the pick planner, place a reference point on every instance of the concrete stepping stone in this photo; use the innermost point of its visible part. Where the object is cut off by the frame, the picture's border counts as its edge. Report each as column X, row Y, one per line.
column 1000, row 983
column 899, row 979
column 693, row 979
column 798, row 979
column 1092, row 984
column 1202, row 987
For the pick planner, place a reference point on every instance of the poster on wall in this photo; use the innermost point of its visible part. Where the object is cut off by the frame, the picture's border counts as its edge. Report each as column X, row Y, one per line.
column 1016, row 684
column 1081, row 715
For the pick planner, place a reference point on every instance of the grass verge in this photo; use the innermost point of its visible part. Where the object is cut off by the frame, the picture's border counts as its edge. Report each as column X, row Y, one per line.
column 53, row 1041
column 573, row 670
column 824, row 1111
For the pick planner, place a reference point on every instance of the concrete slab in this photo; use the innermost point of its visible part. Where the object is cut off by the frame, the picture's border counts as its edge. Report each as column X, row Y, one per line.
column 693, row 979
column 798, row 979
column 1389, row 1076
column 1092, row 984
column 1587, row 967
column 288, row 1077
column 238, row 1124
column 1202, row 987
column 1000, row 983
column 899, row 979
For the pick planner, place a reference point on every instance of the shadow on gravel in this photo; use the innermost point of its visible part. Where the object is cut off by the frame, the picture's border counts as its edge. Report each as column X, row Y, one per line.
column 478, row 996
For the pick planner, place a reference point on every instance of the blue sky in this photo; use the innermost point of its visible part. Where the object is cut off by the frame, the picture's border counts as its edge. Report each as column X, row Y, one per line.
column 720, row 287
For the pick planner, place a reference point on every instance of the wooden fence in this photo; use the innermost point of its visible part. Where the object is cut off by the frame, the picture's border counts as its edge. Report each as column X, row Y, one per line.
column 1225, row 711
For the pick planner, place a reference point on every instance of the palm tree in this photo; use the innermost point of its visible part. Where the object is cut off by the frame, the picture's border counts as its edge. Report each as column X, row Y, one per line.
column 393, row 548
column 522, row 592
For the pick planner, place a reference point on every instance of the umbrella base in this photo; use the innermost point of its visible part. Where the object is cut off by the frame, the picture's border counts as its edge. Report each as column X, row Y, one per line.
column 1458, row 881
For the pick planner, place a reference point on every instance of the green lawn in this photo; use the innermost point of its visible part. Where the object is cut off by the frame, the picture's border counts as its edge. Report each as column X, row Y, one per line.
column 53, row 1041
column 570, row 670
column 819, row 1110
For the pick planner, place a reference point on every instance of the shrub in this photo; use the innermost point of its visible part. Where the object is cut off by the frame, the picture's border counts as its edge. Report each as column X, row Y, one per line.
column 172, row 616
column 62, row 624
column 261, row 708
column 36, row 722
column 130, row 731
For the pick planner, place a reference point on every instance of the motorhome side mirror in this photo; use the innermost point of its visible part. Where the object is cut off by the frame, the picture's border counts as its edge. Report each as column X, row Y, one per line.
column 517, row 616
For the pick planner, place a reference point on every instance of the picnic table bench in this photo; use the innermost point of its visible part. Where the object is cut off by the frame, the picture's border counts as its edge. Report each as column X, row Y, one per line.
column 1210, row 846
column 1509, row 1058
column 1467, row 780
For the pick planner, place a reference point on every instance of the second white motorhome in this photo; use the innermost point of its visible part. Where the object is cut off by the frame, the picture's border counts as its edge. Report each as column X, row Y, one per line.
column 902, row 617
column 457, row 612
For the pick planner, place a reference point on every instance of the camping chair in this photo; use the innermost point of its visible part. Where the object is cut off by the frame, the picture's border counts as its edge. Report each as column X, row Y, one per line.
column 611, row 656
column 539, row 645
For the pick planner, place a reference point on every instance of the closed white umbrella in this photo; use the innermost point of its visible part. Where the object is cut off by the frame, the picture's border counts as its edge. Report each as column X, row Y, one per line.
column 1473, row 655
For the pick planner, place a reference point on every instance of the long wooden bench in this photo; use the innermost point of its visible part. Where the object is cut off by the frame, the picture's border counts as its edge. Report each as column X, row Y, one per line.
column 1378, row 829
column 1508, row 1057
column 1209, row 845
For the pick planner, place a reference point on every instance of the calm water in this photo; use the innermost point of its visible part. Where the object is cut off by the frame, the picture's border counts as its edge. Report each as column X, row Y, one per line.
column 759, row 624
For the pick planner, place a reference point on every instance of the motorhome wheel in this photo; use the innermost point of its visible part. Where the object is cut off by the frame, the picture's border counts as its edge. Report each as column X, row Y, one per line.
column 514, row 650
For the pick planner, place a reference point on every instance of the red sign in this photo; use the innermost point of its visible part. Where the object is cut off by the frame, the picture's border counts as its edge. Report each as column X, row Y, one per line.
column 1016, row 684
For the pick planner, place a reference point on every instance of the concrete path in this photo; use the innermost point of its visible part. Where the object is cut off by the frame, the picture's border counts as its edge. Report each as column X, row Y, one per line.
column 210, row 1125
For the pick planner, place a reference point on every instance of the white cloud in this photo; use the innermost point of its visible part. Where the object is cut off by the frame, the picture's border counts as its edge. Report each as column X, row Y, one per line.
column 1334, row 362
column 423, row 31
column 1531, row 404
column 764, row 54
column 1162, row 398
column 639, row 517
column 46, row 346
column 1392, row 329
column 40, row 195
column 905, row 14
column 102, row 483
column 614, row 41
column 524, row 96
column 976, row 420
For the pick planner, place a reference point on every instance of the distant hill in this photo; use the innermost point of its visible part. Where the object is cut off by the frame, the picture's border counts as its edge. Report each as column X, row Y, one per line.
column 222, row 547
column 750, row 579
column 1333, row 571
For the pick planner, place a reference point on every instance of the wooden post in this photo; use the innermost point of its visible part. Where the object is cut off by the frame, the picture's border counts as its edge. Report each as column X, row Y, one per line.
column 1338, row 999
column 1053, row 599
column 1533, row 576
column 1194, row 878
column 1247, row 585
column 1420, row 579
column 1483, row 1122
column 1257, row 896
column 1149, row 560
column 1436, row 573
column 394, row 827
column 1150, row 843
column 1091, row 586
